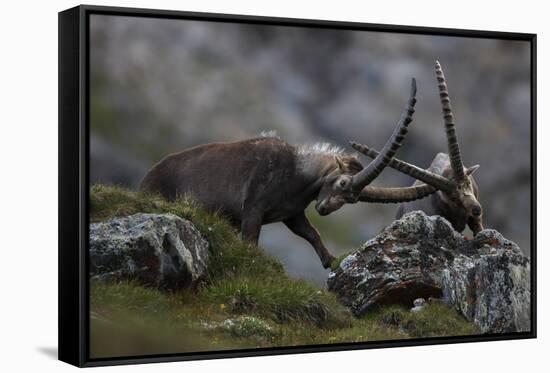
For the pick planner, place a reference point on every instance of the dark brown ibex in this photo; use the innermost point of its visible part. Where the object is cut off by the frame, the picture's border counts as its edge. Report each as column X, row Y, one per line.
column 457, row 196
column 264, row 180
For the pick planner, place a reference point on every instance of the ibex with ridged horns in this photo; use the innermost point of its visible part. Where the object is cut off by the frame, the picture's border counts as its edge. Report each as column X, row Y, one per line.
column 264, row 180
column 456, row 196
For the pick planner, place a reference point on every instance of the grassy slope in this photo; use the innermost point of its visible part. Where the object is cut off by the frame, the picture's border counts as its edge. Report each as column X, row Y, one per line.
column 266, row 307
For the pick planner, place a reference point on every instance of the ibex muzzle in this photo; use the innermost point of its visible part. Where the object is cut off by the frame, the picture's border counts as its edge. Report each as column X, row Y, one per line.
column 264, row 180
column 455, row 192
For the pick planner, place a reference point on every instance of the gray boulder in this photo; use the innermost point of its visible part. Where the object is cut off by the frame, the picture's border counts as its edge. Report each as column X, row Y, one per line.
column 160, row 250
column 487, row 278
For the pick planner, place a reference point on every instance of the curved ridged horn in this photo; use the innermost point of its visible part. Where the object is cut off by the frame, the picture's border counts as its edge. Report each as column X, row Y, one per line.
column 369, row 173
column 428, row 177
column 452, row 141
column 395, row 195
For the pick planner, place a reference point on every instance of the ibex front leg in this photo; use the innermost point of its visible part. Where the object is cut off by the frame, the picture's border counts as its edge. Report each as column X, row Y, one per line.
column 300, row 226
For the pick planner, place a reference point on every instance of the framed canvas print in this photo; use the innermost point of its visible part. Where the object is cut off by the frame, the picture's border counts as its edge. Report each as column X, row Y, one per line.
column 238, row 186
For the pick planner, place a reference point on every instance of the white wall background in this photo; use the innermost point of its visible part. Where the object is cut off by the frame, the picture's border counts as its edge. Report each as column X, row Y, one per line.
column 28, row 185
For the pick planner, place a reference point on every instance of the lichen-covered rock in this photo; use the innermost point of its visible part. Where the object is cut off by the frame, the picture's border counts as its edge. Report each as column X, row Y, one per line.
column 487, row 279
column 242, row 326
column 160, row 250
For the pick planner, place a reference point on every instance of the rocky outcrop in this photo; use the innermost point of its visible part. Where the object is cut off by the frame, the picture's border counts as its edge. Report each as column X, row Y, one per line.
column 160, row 250
column 487, row 278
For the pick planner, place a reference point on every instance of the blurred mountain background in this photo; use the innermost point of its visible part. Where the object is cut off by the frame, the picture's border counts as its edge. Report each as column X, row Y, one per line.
column 160, row 86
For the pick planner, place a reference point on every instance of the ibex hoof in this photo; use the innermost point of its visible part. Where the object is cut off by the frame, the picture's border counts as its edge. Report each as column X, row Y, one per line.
column 327, row 262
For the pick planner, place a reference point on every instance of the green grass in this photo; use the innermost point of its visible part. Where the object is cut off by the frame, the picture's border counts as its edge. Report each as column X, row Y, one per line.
column 127, row 319
column 435, row 320
column 131, row 320
column 280, row 300
column 248, row 301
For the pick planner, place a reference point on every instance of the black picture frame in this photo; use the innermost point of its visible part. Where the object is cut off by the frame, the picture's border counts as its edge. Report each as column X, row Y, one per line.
column 74, row 181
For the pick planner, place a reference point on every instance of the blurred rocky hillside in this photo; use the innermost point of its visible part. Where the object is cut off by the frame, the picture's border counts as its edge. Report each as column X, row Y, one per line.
column 159, row 85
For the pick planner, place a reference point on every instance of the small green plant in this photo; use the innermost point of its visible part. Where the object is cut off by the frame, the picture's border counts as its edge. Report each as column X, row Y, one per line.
column 336, row 262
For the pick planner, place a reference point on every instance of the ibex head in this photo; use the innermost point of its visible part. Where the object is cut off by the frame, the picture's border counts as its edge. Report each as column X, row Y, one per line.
column 463, row 196
column 337, row 188
column 348, row 178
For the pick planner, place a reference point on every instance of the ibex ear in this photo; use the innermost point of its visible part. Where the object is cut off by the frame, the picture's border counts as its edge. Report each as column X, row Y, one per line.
column 340, row 163
column 472, row 169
